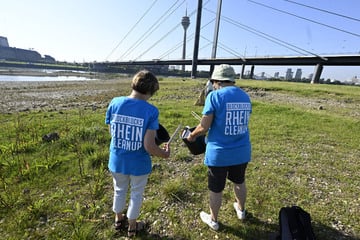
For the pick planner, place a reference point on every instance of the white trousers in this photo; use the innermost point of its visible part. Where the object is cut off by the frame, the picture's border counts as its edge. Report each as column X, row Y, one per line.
column 121, row 186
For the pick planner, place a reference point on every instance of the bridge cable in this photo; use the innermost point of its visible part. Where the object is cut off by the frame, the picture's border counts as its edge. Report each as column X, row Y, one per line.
column 133, row 27
column 178, row 45
column 165, row 35
column 150, row 30
column 175, row 47
column 307, row 19
column 274, row 39
column 222, row 46
column 153, row 45
column 268, row 37
column 236, row 54
column 322, row 10
column 227, row 49
column 203, row 47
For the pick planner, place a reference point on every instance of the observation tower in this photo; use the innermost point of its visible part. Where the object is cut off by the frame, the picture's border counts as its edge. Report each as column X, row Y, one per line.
column 185, row 22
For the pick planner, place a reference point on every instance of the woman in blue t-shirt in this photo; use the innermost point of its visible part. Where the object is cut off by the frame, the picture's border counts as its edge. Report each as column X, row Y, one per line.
column 226, row 115
column 132, row 124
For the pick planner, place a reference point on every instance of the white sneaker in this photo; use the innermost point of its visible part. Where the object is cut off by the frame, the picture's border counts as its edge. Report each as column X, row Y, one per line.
column 206, row 218
column 240, row 214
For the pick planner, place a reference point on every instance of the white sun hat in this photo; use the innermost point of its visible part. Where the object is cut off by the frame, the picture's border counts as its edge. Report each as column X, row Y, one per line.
column 223, row 72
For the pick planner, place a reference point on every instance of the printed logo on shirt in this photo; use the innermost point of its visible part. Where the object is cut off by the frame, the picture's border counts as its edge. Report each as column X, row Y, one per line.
column 127, row 132
column 237, row 118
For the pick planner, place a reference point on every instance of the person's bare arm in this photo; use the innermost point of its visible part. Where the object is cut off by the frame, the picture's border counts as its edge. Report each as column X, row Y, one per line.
column 202, row 128
column 152, row 148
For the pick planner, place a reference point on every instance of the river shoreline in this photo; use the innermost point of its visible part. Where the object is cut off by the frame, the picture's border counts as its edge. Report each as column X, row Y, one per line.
column 22, row 96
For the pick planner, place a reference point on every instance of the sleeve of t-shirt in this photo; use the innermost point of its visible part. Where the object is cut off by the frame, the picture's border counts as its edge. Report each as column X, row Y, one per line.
column 208, row 106
column 109, row 110
column 108, row 115
column 154, row 120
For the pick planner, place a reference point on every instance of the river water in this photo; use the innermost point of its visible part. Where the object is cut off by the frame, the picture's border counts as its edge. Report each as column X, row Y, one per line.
column 13, row 78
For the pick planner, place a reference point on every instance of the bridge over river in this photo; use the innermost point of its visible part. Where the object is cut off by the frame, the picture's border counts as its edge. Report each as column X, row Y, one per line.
column 317, row 61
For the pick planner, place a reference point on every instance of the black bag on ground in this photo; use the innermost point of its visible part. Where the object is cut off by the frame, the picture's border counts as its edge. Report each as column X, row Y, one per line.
column 295, row 224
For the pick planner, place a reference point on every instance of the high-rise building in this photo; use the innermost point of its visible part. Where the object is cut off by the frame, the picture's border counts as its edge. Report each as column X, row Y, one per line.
column 262, row 75
column 310, row 76
column 298, row 74
column 289, row 74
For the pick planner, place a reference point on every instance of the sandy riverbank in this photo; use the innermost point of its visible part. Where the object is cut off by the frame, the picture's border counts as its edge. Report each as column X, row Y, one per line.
column 56, row 95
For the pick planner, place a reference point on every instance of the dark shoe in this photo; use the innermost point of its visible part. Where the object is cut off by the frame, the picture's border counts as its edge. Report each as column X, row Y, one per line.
column 139, row 227
column 120, row 223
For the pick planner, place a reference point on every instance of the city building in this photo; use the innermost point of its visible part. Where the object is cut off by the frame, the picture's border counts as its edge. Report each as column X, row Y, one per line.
column 289, row 74
column 8, row 53
column 4, row 42
column 298, row 74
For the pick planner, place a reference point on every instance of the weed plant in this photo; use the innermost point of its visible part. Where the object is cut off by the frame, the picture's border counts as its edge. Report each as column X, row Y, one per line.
column 302, row 156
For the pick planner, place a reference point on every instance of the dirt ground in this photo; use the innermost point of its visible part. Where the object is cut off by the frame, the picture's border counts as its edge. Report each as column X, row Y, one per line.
column 57, row 95
column 54, row 95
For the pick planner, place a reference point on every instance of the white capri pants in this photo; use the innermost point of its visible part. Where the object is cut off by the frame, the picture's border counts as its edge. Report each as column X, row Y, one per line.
column 121, row 186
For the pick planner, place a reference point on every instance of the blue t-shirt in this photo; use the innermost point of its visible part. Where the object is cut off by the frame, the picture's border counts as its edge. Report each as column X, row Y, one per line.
column 228, row 140
column 129, row 118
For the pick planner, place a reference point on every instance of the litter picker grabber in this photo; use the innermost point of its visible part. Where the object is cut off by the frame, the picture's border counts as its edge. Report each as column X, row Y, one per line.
column 174, row 134
column 195, row 115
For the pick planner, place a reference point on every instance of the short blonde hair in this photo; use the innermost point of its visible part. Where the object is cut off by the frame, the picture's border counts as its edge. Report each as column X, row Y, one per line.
column 145, row 82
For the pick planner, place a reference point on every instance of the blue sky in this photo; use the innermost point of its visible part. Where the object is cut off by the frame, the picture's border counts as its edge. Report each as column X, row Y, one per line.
column 121, row 30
